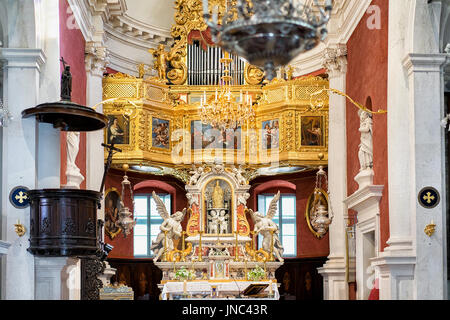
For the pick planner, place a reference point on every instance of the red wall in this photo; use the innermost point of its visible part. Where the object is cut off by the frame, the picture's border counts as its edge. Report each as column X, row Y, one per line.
column 72, row 48
column 123, row 247
column 367, row 77
column 308, row 246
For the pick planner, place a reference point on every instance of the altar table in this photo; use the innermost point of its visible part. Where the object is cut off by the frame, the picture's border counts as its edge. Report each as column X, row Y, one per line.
column 203, row 289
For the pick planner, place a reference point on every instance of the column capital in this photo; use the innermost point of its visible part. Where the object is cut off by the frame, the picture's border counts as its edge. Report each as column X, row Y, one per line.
column 23, row 58
column 418, row 62
column 335, row 60
column 96, row 58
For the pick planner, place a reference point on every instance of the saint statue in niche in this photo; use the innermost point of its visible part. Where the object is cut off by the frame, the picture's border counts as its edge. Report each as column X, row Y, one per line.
column 217, row 196
column 218, row 203
column 365, row 153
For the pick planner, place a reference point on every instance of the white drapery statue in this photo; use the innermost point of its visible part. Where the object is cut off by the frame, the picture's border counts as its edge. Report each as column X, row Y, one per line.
column 365, row 153
column 265, row 226
column 73, row 174
column 170, row 229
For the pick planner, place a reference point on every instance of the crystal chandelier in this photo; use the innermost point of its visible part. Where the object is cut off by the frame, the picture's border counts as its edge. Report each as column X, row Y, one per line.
column 269, row 33
column 222, row 111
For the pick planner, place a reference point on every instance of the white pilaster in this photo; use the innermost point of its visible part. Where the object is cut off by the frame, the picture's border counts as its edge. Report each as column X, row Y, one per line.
column 96, row 61
column 426, row 88
column 57, row 278
column 334, row 271
column 22, row 70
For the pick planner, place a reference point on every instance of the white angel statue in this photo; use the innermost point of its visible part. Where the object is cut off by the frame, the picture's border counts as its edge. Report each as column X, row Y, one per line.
column 267, row 228
column 171, row 225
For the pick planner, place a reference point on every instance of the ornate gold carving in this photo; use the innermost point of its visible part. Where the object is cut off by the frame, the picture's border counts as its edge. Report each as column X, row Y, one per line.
column 256, row 255
column 19, row 228
column 179, row 255
column 253, row 75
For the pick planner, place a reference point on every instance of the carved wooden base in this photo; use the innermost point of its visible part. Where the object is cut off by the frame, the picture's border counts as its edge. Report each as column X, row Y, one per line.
column 63, row 222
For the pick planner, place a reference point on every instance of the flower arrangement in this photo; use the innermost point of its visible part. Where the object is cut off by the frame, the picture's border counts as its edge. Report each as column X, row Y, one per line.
column 184, row 274
column 256, row 274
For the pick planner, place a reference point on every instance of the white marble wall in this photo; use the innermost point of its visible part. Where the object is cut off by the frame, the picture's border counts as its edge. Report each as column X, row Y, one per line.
column 414, row 265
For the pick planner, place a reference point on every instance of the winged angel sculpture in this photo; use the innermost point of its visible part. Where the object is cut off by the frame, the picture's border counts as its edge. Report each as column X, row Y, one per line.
column 171, row 226
column 268, row 229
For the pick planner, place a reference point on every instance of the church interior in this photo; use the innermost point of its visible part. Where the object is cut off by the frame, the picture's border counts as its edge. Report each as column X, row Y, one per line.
column 224, row 149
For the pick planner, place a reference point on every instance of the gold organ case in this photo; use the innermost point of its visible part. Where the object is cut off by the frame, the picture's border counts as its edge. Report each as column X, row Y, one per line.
column 153, row 120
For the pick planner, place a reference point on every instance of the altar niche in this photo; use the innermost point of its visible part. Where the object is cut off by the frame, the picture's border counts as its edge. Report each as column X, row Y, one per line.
column 218, row 203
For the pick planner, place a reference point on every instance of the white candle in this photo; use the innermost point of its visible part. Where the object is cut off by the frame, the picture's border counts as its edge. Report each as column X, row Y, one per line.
column 184, row 286
column 270, row 287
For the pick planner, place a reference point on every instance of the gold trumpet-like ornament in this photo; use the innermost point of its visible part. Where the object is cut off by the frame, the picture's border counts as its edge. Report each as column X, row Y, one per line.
column 20, row 229
column 430, row 229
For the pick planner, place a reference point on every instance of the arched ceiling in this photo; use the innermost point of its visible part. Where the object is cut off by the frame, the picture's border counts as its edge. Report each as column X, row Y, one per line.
column 134, row 26
column 153, row 13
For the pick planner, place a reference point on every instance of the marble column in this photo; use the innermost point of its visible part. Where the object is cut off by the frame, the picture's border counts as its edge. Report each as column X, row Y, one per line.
column 58, row 278
column 334, row 271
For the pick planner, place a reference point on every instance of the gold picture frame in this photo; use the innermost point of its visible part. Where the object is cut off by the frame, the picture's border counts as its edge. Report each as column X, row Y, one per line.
column 112, row 232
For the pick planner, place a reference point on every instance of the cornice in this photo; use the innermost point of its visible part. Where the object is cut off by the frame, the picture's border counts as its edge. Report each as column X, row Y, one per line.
column 23, row 58
column 346, row 16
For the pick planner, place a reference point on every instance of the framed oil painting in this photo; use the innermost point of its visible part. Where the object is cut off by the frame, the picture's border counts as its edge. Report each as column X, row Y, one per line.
column 118, row 131
column 271, row 134
column 160, row 133
column 204, row 136
column 312, row 131
column 112, row 208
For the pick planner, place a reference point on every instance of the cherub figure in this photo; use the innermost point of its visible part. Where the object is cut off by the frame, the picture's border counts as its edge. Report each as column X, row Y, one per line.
column 268, row 229
column 240, row 178
column 171, row 225
column 213, row 223
column 196, row 173
column 223, row 222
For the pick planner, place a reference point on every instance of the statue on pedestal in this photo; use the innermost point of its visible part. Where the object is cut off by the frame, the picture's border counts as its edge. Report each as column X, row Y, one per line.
column 365, row 153
column 170, row 229
column 73, row 174
column 269, row 229
column 160, row 57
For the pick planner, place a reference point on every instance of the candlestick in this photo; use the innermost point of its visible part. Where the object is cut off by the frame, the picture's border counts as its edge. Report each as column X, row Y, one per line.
column 236, row 248
column 200, row 250
column 183, row 233
column 185, row 287
column 270, row 287
column 165, row 245
column 271, row 246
